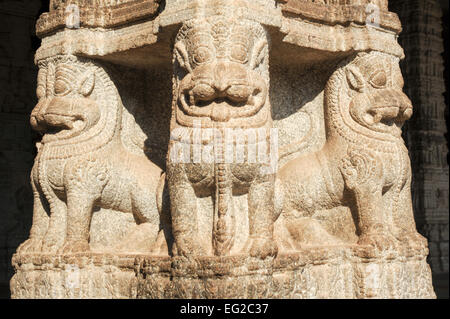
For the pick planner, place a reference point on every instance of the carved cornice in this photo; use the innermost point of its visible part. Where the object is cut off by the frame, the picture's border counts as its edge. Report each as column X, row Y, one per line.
column 340, row 12
column 120, row 25
column 108, row 14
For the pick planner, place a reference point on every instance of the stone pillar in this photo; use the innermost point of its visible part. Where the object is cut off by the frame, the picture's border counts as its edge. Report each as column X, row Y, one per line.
column 423, row 69
column 221, row 149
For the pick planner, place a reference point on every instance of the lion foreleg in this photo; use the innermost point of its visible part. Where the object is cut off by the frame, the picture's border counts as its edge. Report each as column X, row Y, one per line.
column 39, row 226
column 84, row 182
column 184, row 218
column 261, row 241
column 405, row 225
column 54, row 238
column 79, row 214
column 362, row 172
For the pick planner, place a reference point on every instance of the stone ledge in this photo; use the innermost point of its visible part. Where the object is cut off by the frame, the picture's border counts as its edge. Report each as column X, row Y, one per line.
column 141, row 24
column 348, row 272
column 339, row 14
column 104, row 16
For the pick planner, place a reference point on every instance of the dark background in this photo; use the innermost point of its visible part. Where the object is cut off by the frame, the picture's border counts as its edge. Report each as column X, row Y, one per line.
column 17, row 151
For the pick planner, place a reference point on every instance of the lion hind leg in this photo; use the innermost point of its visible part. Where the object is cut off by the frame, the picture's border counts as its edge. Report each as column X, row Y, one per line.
column 363, row 175
column 405, row 225
column 144, row 204
column 39, row 226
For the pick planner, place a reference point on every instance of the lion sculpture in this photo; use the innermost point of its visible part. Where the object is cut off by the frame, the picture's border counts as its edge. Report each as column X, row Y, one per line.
column 363, row 165
column 221, row 82
column 82, row 163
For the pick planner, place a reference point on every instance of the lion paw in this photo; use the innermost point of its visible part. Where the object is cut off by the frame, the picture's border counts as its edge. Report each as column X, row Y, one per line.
column 414, row 240
column 261, row 248
column 71, row 247
column 30, row 246
column 188, row 250
column 380, row 240
column 50, row 245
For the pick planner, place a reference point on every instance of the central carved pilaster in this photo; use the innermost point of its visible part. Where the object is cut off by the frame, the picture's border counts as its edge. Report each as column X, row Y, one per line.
column 221, row 84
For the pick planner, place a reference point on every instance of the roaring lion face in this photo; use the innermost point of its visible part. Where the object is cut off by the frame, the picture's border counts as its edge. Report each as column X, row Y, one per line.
column 378, row 101
column 221, row 59
column 65, row 108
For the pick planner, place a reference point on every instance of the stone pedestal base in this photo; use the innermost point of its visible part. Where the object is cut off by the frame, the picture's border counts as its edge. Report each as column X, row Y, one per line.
column 351, row 272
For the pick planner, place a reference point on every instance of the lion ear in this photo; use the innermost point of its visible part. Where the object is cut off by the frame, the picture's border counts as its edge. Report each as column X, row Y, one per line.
column 182, row 57
column 355, row 78
column 41, row 83
column 87, row 84
column 258, row 54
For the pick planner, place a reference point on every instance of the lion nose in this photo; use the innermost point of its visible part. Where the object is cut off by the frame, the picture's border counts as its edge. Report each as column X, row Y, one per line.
column 407, row 109
column 402, row 102
column 36, row 118
column 407, row 104
column 394, row 98
column 221, row 78
column 34, row 122
column 404, row 105
column 221, row 86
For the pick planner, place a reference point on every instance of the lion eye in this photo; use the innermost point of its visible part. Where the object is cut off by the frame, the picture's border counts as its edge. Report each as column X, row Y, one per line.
column 202, row 55
column 379, row 79
column 61, row 87
column 239, row 53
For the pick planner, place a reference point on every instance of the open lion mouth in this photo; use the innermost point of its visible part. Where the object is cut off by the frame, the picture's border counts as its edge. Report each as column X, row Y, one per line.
column 391, row 114
column 59, row 126
column 234, row 101
column 383, row 110
column 60, row 118
column 59, row 121
column 222, row 91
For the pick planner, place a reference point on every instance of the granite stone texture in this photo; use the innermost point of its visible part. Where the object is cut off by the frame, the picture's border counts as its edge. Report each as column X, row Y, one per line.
column 221, row 149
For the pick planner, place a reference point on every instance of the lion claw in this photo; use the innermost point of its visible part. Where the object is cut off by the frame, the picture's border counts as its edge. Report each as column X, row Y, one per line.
column 71, row 247
column 261, row 248
column 381, row 241
column 414, row 240
column 188, row 250
column 30, row 246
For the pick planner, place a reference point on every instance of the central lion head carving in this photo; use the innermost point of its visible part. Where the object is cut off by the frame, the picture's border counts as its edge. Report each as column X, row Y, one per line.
column 378, row 102
column 223, row 65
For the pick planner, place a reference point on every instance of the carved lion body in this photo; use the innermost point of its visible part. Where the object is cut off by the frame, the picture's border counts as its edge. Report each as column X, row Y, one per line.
column 82, row 164
column 222, row 83
column 364, row 163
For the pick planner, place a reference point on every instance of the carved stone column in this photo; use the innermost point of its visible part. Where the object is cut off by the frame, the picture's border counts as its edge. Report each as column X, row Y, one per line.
column 423, row 69
column 221, row 149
